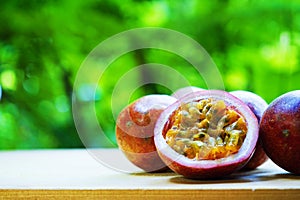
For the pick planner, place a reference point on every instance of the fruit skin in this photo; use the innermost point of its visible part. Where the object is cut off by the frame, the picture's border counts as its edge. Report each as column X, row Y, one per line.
column 181, row 92
column 257, row 105
column 134, row 131
column 280, row 131
column 206, row 169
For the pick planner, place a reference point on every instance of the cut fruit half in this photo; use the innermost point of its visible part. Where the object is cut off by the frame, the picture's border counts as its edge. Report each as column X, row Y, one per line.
column 206, row 134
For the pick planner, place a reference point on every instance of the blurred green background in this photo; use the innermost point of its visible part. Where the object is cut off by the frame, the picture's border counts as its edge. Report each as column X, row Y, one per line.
column 254, row 43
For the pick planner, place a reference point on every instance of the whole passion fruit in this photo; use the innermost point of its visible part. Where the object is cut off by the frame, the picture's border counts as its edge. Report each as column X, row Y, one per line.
column 257, row 105
column 280, row 131
column 134, row 131
column 181, row 92
column 207, row 134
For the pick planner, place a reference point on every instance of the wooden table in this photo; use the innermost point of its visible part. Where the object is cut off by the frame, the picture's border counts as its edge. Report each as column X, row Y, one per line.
column 74, row 174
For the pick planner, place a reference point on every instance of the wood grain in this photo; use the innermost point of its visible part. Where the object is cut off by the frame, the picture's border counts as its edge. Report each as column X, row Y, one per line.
column 151, row 194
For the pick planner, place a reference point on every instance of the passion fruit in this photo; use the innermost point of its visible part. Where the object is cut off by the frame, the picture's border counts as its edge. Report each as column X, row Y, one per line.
column 257, row 105
column 135, row 129
column 181, row 92
column 280, row 131
column 206, row 134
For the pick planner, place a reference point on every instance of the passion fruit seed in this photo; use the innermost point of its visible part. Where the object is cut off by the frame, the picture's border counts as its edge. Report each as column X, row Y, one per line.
column 206, row 130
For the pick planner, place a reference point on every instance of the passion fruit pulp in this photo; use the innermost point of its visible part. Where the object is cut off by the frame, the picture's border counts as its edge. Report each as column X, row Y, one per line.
column 257, row 105
column 280, row 131
column 207, row 134
column 135, row 129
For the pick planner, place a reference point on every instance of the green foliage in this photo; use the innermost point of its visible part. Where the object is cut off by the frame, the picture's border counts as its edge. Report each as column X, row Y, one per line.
column 254, row 43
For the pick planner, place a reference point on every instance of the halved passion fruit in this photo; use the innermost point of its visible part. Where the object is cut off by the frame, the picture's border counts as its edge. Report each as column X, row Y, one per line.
column 207, row 134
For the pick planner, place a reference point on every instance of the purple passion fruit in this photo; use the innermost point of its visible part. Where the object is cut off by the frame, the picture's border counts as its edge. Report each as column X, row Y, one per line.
column 134, row 131
column 280, row 131
column 185, row 90
column 257, row 105
column 207, row 134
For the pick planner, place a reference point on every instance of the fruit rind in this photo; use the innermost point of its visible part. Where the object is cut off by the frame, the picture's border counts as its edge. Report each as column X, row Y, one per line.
column 181, row 92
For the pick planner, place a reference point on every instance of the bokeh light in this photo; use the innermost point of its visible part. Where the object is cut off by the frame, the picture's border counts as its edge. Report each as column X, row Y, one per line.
column 255, row 45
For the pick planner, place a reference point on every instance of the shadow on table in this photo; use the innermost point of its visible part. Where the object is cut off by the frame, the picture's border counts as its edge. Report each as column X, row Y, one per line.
column 238, row 177
column 168, row 173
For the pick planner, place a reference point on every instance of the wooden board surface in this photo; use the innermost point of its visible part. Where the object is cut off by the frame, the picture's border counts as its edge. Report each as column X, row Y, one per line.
column 105, row 172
